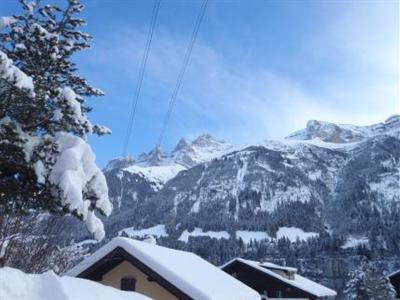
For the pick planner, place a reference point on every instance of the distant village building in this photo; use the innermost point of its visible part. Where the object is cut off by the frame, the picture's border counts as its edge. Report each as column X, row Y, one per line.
column 276, row 282
column 395, row 281
column 160, row 273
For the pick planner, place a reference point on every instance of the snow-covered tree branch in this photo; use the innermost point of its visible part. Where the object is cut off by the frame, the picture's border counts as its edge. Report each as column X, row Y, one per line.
column 368, row 282
column 45, row 161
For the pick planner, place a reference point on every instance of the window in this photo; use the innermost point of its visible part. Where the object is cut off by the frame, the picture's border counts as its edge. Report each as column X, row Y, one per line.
column 279, row 294
column 128, row 284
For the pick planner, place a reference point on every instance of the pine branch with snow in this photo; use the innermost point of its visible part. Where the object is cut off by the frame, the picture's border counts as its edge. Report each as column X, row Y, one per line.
column 45, row 161
column 368, row 282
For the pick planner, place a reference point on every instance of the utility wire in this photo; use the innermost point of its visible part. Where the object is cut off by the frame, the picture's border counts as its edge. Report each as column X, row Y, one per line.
column 182, row 70
column 141, row 75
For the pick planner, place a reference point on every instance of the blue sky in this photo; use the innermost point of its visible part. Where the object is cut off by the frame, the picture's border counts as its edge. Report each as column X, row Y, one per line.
column 259, row 69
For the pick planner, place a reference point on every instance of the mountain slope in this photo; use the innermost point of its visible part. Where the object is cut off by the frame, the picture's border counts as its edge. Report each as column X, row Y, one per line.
column 344, row 133
column 157, row 166
column 319, row 200
column 304, row 183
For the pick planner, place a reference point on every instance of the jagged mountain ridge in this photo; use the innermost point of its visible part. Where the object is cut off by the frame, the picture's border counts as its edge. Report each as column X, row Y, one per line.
column 158, row 166
column 186, row 153
column 344, row 133
column 302, row 183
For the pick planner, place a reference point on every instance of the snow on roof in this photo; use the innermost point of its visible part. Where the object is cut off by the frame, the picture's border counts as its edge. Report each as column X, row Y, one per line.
column 394, row 273
column 17, row 285
column 277, row 267
column 185, row 270
column 299, row 282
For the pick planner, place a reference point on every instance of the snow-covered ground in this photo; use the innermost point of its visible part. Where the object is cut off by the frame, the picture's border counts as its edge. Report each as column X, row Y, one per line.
column 157, row 174
column 160, row 231
column 291, row 194
column 247, row 236
column 156, row 231
column 388, row 185
column 354, row 242
column 17, row 285
column 199, row 232
column 293, row 144
column 294, row 233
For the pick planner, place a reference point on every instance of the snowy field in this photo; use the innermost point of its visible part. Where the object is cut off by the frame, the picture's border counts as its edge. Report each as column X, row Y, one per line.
column 156, row 231
column 248, row 236
column 354, row 242
column 157, row 174
column 294, row 234
column 199, row 232
column 16, row 285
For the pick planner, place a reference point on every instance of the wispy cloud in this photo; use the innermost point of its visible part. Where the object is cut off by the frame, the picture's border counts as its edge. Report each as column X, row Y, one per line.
column 353, row 61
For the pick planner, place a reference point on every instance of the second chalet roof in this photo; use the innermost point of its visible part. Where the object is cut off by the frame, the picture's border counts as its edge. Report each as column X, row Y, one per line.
column 273, row 266
column 190, row 273
column 298, row 281
column 395, row 273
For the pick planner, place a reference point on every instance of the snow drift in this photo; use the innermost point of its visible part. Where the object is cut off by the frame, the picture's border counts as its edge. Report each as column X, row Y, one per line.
column 17, row 285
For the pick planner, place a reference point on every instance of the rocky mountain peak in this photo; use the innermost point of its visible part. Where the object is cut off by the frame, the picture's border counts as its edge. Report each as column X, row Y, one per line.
column 155, row 157
column 393, row 122
column 206, row 140
column 203, row 148
column 343, row 133
column 333, row 133
column 182, row 144
column 119, row 163
column 186, row 154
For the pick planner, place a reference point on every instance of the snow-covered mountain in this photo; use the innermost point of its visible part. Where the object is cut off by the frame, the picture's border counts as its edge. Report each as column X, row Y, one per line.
column 303, row 182
column 344, row 133
column 157, row 166
column 316, row 199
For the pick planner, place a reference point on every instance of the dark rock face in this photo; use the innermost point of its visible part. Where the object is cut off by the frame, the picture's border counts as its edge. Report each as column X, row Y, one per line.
column 241, row 185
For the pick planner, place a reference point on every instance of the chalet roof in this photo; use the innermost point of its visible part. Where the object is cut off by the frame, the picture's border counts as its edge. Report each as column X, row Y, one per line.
column 188, row 272
column 277, row 267
column 298, row 281
column 395, row 273
column 17, row 285
column 266, row 264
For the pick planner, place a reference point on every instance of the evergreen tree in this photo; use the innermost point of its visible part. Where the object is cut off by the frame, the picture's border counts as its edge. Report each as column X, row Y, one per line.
column 368, row 282
column 45, row 162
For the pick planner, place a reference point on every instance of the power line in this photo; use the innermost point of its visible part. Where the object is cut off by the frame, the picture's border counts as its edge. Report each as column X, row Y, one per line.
column 182, row 71
column 141, row 75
